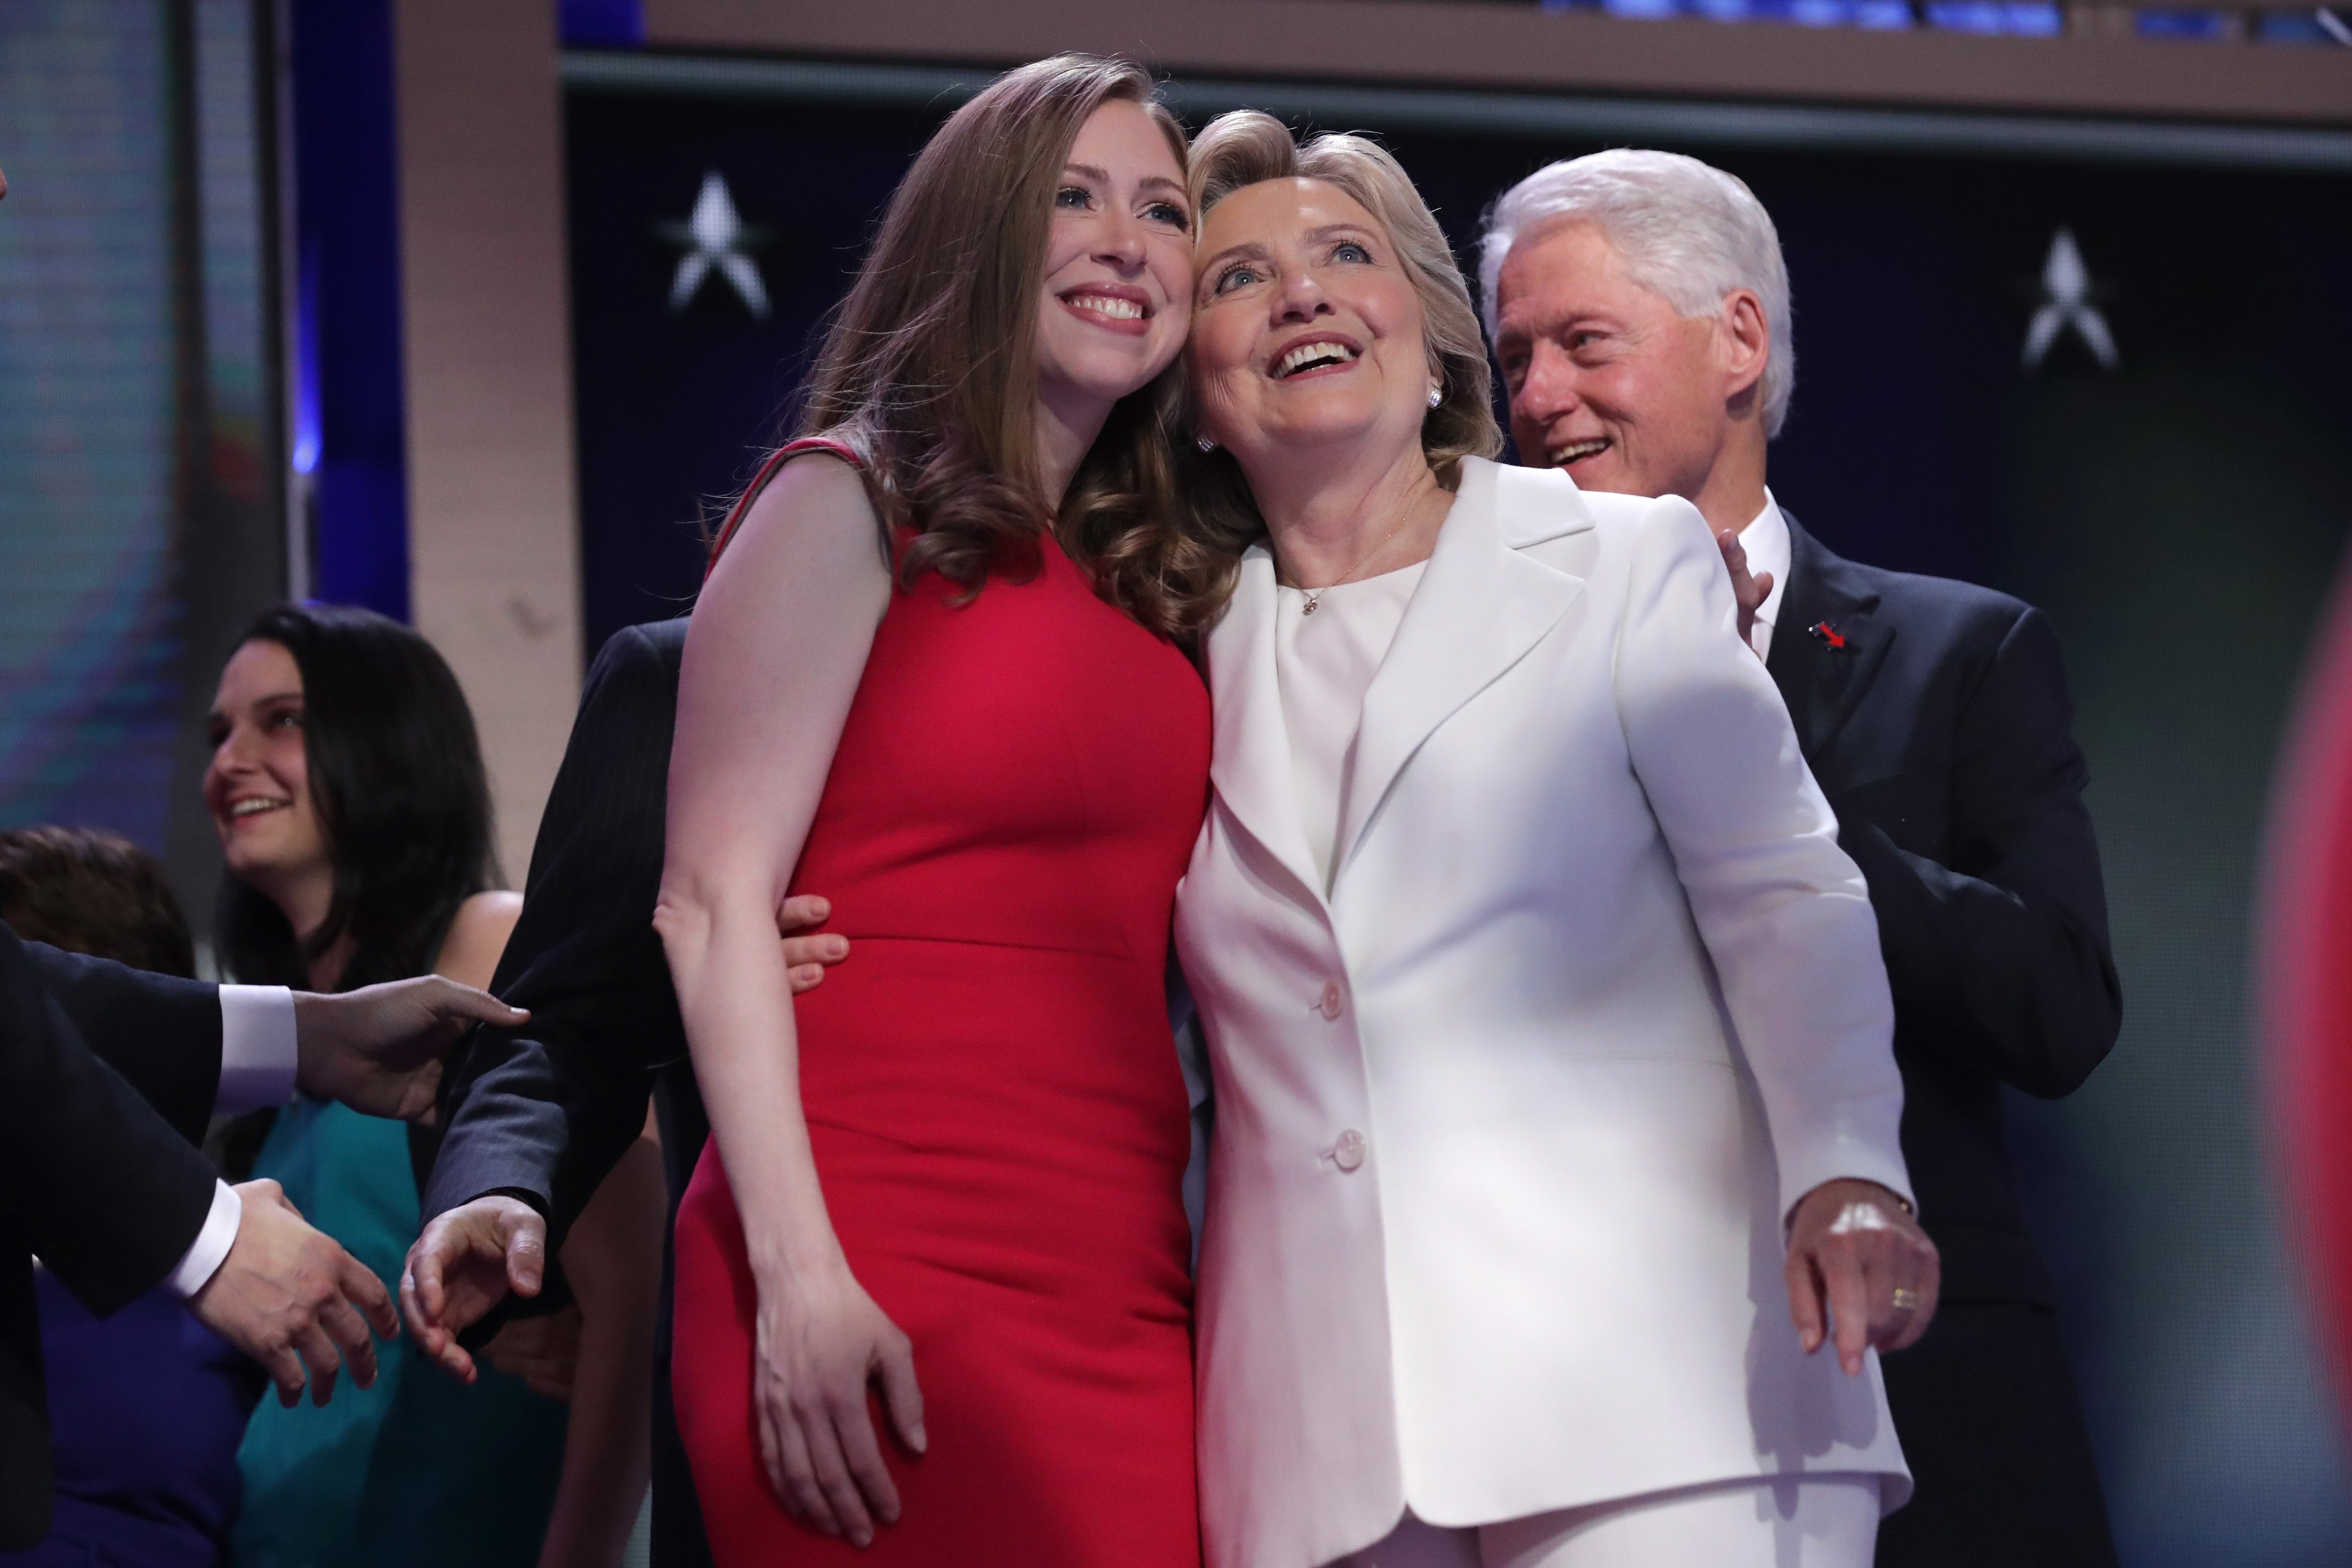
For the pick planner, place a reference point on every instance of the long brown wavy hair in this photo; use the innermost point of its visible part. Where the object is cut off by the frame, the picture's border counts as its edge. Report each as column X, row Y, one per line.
column 929, row 365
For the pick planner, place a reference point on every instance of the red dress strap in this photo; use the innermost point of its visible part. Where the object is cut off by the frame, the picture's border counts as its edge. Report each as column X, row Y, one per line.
column 776, row 459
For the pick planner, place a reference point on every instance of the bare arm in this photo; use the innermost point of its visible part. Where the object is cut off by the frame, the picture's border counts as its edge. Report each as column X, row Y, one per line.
column 772, row 663
column 477, row 936
column 613, row 1258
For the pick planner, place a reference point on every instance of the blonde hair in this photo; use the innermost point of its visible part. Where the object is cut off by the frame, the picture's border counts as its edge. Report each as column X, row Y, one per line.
column 1247, row 148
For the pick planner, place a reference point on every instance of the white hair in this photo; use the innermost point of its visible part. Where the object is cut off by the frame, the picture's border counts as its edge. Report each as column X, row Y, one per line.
column 1689, row 233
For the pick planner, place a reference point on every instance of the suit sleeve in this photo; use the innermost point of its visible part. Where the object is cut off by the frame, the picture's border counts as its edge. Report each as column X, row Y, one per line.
column 103, row 1189
column 163, row 1034
column 1785, row 915
column 2007, row 946
column 546, row 1112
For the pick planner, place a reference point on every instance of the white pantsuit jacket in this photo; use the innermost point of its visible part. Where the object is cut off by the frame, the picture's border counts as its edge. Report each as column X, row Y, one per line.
column 1507, row 1126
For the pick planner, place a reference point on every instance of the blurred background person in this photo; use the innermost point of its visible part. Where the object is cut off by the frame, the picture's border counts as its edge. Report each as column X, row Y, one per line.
column 146, row 1405
column 348, row 789
column 1640, row 310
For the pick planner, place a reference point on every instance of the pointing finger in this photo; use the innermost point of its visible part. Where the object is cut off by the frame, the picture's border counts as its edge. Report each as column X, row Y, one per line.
column 1804, row 1300
column 351, row 1336
column 319, row 1352
column 284, row 1369
column 424, row 1272
column 1849, row 1294
column 364, row 1290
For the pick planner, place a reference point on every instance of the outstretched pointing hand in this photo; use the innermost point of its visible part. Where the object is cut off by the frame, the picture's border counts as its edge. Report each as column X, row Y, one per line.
column 378, row 1050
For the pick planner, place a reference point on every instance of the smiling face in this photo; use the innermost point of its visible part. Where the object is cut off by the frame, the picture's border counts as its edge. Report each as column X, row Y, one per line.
column 1118, row 263
column 258, row 786
column 1605, row 379
column 1306, row 330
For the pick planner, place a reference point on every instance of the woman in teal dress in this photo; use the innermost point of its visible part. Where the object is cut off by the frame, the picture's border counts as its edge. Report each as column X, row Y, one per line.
column 348, row 789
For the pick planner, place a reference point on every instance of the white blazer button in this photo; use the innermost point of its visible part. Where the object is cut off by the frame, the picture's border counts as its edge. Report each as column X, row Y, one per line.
column 1347, row 1154
column 1328, row 1004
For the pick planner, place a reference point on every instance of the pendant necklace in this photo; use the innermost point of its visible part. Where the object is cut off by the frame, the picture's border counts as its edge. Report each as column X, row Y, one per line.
column 1315, row 596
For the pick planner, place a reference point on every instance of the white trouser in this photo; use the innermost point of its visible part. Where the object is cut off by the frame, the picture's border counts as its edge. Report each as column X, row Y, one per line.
column 1820, row 1522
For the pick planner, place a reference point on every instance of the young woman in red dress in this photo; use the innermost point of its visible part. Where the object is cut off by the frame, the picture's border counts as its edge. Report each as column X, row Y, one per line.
column 932, row 1291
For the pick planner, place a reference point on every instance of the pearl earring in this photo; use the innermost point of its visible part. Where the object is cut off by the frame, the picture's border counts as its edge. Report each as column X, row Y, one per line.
column 1206, row 445
column 1436, row 396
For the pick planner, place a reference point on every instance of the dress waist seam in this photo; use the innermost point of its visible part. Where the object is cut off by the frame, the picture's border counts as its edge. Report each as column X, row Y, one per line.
column 1107, row 954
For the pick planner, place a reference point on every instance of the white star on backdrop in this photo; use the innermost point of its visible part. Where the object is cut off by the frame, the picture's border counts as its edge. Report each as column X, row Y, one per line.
column 2066, row 303
column 716, row 237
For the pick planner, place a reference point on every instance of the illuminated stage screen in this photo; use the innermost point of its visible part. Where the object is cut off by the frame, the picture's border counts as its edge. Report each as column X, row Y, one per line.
column 2179, row 516
column 138, row 506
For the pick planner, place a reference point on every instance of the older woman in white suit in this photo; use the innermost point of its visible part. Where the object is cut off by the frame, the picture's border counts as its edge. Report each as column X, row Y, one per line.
column 1555, row 1108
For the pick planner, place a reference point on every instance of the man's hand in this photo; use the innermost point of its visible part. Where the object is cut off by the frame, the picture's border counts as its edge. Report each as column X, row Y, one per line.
column 286, row 1295
column 1856, row 1256
column 464, row 1265
column 808, row 952
column 378, row 1050
column 1749, row 591
column 544, row 1352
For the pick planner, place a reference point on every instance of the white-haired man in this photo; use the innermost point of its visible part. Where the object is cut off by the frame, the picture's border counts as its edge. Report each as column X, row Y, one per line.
column 1639, row 305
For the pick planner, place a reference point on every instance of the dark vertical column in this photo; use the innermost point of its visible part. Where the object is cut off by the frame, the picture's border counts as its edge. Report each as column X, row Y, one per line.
column 349, row 426
column 230, row 540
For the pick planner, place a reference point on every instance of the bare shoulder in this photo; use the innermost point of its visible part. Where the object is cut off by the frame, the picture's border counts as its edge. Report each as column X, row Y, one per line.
column 477, row 936
column 792, row 607
column 814, row 521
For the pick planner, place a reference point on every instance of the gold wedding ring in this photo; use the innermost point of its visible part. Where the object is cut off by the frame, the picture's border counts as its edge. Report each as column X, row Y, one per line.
column 1905, row 1301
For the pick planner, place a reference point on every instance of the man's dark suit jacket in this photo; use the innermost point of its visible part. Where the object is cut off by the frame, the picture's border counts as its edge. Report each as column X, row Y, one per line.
column 1936, row 716
column 544, row 1112
column 100, row 1174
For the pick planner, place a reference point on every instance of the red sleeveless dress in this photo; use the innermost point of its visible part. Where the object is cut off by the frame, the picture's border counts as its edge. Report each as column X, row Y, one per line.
column 1000, row 1123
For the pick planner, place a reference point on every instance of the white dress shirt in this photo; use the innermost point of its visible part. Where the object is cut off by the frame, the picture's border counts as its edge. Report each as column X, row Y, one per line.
column 257, row 1061
column 1766, row 539
column 1324, row 663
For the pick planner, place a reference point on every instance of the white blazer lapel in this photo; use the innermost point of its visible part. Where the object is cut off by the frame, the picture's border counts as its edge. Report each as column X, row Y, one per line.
column 1251, row 766
column 1480, row 608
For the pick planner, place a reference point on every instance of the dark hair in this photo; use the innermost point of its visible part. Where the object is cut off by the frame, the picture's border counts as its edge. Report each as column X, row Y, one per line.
column 929, row 365
column 396, row 777
column 88, row 891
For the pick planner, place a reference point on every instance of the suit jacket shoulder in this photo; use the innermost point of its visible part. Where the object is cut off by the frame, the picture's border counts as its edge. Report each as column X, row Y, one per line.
column 1861, row 654
column 160, row 1032
column 545, row 1110
column 1945, row 612
column 92, row 1178
column 1936, row 717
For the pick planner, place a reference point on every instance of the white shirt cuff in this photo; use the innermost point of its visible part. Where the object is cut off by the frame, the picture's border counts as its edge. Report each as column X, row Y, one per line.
column 258, row 1047
column 203, row 1259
